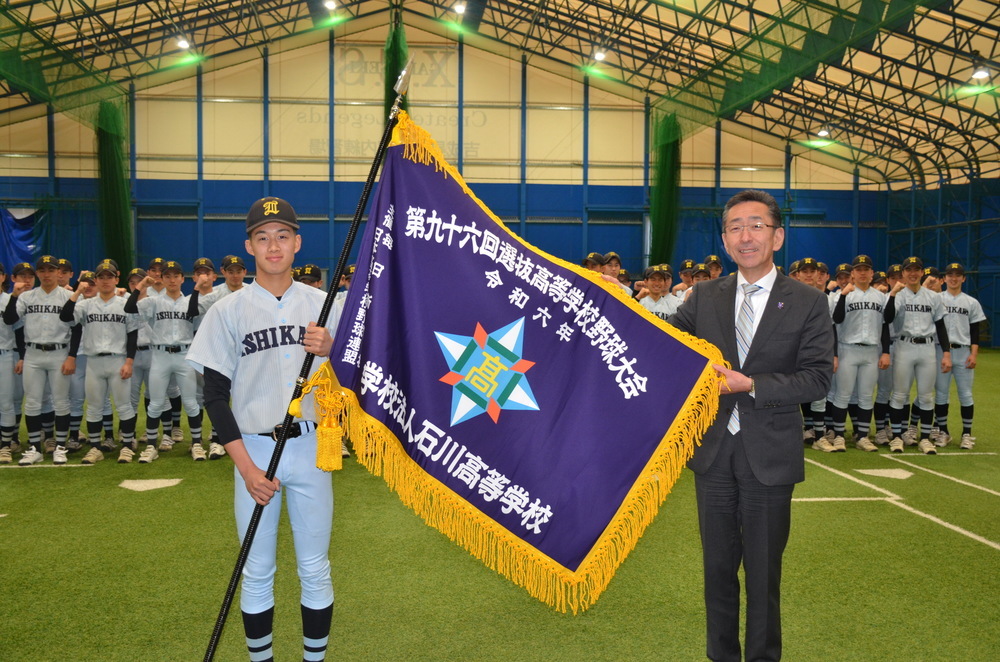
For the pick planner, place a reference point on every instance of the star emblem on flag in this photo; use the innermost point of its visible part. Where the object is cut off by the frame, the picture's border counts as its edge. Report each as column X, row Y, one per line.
column 487, row 372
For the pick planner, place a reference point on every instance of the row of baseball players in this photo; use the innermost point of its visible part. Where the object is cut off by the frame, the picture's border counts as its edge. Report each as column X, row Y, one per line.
column 62, row 346
column 908, row 324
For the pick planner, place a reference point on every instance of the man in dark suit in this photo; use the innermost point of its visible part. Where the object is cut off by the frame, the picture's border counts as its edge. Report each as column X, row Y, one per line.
column 778, row 337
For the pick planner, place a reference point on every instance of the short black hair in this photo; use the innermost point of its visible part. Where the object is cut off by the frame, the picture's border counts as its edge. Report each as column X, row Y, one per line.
column 754, row 195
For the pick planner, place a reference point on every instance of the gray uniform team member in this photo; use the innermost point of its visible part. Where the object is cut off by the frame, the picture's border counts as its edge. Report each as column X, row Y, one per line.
column 50, row 357
column 9, row 357
column 251, row 346
column 916, row 313
column 171, row 419
column 170, row 318
column 963, row 318
column 655, row 295
column 862, row 350
column 110, row 338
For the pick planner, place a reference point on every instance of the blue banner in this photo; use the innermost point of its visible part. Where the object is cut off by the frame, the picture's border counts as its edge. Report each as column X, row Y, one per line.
column 524, row 406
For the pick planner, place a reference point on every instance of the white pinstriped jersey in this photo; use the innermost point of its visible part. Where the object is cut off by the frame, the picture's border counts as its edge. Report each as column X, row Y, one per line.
column 917, row 312
column 255, row 339
column 7, row 340
column 863, row 319
column 105, row 325
column 218, row 292
column 663, row 307
column 167, row 319
column 40, row 313
column 960, row 312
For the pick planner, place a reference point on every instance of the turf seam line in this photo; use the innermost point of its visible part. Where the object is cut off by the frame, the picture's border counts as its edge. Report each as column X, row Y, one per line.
column 941, row 475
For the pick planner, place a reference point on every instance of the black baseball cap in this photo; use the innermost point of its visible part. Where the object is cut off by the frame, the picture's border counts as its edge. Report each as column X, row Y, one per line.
column 310, row 272
column 862, row 261
column 793, row 267
column 64, row 265
column 171, row 265
column 233, row 261
column 879, row 276
column 844, row 268
column 596, row 258
column 912, row 261
column 653, row 270
column 894, row 270
column 203, row 263
column 701, row 267
column 807, row 263
column 87, row 276
column 686, row 265
column 932, row 271
column 954, row 268
column 612, row 254
column 46, row 261
column 270, row 209
column 822, row 267
column 156, row 263
column 106, row 266
column 22, row 267
column 713, row 259
column 349, row 272
column 138, row 271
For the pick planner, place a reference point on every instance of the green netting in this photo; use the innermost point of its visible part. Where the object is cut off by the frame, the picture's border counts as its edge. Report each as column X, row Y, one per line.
column 396, row 54
column 49, row 74
column 113, row 198
column 665, row 194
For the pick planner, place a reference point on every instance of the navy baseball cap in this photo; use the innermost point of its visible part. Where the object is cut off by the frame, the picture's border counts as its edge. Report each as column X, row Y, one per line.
column 203, row 263
column 105, row 267
column 46, row 261
column 233, row 261
column 22, row 267
column 310, row 272
column 271, row 209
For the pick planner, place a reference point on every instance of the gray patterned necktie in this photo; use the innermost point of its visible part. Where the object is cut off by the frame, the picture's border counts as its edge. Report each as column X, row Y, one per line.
column 744, row 336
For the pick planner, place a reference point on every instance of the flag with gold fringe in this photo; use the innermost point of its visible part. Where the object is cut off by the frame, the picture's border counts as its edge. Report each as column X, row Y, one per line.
column 523, row 406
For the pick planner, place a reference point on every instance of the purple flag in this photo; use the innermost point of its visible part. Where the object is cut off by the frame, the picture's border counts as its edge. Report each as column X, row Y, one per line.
column 528, row 409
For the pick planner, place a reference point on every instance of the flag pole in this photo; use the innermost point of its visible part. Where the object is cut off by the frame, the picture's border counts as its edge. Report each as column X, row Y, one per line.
column 402, row 83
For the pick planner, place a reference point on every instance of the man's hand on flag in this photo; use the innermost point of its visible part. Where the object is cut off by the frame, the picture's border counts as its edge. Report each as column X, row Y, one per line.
column 736, row 382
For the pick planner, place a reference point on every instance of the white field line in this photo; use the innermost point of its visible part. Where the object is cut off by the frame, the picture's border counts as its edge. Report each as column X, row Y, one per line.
column 941, row 475
column 843, row 499
column 896, row 500
column 45, row 466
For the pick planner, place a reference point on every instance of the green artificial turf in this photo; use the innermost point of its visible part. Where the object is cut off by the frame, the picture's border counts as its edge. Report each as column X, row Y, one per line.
column 96, row 572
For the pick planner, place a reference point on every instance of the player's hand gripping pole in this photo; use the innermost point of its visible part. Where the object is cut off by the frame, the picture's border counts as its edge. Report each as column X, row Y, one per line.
column 272, row 468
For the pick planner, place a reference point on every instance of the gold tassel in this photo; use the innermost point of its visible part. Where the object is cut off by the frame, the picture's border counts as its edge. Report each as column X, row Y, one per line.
column 328, row 402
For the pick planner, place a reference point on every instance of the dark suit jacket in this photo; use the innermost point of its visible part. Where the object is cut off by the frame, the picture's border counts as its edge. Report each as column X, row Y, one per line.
column 790, row 361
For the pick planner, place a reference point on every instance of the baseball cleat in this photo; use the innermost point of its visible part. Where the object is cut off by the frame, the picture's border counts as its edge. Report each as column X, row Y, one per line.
column 29, row 457
column 6, row 457
column 942, row 439
column 166, row 443
column 968, row 442
column 215, row 451
column 93, row 456
column 177, row 434
column 49, row 446
column 865, row 444
column 896, row 445
column 126, row 455
column 822, row 444
column 73, row 444
column 59, row 455
column 927, row 447
column 839, row 444
column 198, row 452
column 148, row 454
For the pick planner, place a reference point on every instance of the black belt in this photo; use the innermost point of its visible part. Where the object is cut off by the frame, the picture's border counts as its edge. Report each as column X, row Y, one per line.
column 917, row 340
column 172, row 349
column 296, row 430
column 47, row 347
column 957, row 346
column 107, row 353
column 142, row 348
column 859, row 344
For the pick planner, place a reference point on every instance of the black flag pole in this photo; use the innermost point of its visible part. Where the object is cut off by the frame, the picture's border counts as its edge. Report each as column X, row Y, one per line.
column 272, row 468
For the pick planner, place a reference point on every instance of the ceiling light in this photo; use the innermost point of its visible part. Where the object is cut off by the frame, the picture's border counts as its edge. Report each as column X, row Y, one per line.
column 183, row 43
column 980, row 72
column 330, row 4
column 599, row 55
column 460, row 8
column 823, row 133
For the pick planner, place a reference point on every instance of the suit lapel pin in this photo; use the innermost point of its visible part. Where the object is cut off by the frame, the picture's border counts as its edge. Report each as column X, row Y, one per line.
column 781, row 304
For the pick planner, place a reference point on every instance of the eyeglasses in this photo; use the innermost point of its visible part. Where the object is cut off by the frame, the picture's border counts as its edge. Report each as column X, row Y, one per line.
column 754, row 228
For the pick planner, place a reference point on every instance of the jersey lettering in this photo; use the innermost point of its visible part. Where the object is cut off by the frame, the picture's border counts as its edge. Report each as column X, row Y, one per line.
column 917, row 308
column 955, row 310
column 42, row 308
column 864, row 305
column 171, row 315
column 106, row 317
column 272, row 337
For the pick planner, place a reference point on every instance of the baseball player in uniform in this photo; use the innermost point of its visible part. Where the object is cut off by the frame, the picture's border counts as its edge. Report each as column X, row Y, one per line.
column 171, row 419
column 110, row 338
column 50, row 356
column 916, row 313
column 170, row 318
column 9, row 357
column 311, row 275
column 963, row 317
column 23, row 272
column 251, row 346
column 863, row 350
column 655, row 295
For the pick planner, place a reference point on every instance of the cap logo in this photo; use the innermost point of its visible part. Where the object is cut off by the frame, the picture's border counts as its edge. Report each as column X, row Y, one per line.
column 270, row 207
